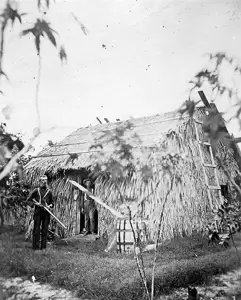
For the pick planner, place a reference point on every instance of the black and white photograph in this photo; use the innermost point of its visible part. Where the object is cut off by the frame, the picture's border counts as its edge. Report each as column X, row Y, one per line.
column 120, row 149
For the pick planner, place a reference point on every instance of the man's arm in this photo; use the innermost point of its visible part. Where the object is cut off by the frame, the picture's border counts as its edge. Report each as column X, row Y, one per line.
column 32, row 195
column 50, row 202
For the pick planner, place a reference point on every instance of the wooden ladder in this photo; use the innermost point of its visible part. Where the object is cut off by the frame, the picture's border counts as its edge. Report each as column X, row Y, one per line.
column 207, row 165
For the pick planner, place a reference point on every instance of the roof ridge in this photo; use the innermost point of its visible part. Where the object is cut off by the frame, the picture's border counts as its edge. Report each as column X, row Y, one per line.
column 137, row 123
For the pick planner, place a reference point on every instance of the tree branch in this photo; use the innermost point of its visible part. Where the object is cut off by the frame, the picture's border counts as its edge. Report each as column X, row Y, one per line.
column 12, row 163
column 37, row 90
column 139, row 262
column 2, row 45
column 158, row 237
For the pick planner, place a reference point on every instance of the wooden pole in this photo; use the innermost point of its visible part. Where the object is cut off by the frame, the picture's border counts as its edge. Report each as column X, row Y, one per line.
column 237, row 140
column 204, row 99
column 76, row 215
column 51, row 214
column 97, row 199
column 232, row 143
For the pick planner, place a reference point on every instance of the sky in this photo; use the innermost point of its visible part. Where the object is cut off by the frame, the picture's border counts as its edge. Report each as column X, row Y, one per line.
column 136, row 60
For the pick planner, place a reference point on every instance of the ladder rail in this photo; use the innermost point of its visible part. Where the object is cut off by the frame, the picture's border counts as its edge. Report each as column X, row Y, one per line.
column 202, row 163
column 215, row 172
column 213, row 165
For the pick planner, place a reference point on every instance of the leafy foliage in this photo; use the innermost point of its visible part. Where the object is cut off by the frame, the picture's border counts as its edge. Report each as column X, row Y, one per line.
column 40, row 3
column 226, row 221
column 10, row 14
column 120, row 164
column 16, row 192
column 82, row 26
column 72, row 157
column 40, row 29
column 9, row 145
column 62, row 54
column 189, row 106
column 213, row 75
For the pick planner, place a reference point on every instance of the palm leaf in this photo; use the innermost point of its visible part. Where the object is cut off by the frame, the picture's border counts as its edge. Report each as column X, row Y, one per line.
column 82, row 26
column 11, row 14
column 27, row 31
column 15, row 16
column 51, row 37
column 47, row 2
column 62, row 54
column 48, row 31
column 40, row 28
column 36, row 34
column 4, row 74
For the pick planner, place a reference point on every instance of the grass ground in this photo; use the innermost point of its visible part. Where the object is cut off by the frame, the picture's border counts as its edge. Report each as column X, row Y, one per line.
column 85, row 268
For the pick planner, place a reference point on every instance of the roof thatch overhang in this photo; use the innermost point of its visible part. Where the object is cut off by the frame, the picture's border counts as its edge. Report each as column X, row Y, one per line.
column 74, row 153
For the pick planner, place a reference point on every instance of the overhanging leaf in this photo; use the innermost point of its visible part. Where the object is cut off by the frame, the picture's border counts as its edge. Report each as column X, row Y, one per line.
column 72, row 157
column 82, row 26
column 41, row 28
column 62, row 54
column 4, row 74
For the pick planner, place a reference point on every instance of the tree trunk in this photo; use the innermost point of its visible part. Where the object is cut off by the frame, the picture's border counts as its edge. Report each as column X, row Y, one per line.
column 1, row 211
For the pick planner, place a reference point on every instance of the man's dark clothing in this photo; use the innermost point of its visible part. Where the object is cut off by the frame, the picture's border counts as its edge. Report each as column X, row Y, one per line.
column 41, row 217
column 91, row 215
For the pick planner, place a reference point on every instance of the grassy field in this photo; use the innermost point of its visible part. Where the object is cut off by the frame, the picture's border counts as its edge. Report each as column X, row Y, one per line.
column 84, row 267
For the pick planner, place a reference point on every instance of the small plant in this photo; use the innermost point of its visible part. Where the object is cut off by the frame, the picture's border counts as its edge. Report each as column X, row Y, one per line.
column 226, row 223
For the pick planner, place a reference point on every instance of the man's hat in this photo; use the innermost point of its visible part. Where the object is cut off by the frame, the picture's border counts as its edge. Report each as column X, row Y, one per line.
column 44, row 178
column 90, row 181
column 87, row 180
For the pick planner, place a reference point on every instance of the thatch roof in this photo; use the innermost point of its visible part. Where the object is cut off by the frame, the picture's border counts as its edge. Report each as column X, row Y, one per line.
column 188, row 205
column 151, row 130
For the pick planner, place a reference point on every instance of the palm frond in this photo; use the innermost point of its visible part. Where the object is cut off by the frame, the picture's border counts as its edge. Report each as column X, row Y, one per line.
column 40, row 28
column 45, row 28
column 4, row 74
column 82, row 26
column 39, row 3
column 62, row 54
column 11, row 14
column 27, row 31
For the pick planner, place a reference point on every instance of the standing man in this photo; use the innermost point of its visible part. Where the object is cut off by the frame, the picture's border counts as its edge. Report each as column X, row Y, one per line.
column 43, row 197
column 90, row 211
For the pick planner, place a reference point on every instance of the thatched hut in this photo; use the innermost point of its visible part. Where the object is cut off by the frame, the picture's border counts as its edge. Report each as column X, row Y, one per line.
column 188, row 206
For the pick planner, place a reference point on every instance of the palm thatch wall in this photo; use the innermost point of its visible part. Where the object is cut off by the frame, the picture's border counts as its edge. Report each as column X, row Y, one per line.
column 188, row 207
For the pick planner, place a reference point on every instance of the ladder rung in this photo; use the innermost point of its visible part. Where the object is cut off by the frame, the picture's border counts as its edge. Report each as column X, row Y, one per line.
column 209, row 165
column 213, row 187
column 204, row 143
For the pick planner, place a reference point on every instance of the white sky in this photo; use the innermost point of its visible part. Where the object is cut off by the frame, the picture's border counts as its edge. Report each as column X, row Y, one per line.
column 153, row 48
